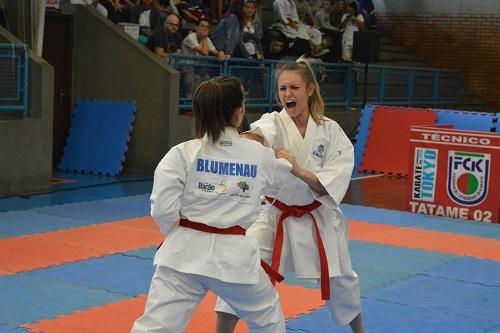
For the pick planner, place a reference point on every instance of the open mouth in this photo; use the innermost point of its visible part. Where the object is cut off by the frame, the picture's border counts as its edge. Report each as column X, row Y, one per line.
column 290, row 104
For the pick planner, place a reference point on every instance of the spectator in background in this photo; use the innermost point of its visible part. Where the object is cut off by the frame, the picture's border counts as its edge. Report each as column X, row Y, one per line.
column 114, row 9
column 168, row 40
column 333, row 33
column 227, row 34
column 274, row 44
column 302, row 39
column 252, row 30
column 351, row 22
column 198, row 43
column 337, row 13
column 305, row 13
column 97, row 5
column 148, row 18
column 368, row 11
column 166, row 7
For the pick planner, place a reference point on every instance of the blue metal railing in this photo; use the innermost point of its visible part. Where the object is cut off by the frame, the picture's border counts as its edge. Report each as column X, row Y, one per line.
column 14, row 60
column 342, row 85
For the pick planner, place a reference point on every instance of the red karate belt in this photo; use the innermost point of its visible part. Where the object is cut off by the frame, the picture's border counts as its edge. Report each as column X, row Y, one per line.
column 234, row 230
column 299, row 211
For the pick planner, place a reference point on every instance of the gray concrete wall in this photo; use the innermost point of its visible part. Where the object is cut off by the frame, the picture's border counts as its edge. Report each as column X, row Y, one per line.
column 26, row 144
column 108, row 64
column 433, row 7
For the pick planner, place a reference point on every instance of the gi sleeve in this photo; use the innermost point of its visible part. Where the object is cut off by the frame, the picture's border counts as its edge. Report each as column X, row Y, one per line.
column 168, row 186
column 266, row 127
column 336, row 171
column 279, row 171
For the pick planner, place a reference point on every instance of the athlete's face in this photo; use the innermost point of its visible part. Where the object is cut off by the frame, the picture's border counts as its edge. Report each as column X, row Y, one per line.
column 294, row 93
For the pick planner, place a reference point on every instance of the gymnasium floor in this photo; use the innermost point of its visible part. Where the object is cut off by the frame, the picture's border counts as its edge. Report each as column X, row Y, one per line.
column 79, row 259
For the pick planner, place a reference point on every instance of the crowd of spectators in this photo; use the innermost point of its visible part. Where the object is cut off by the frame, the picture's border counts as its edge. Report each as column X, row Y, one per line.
column 321, row 29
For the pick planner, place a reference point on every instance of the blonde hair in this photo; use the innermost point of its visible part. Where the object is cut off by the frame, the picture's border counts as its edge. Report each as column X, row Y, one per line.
column 315, row 101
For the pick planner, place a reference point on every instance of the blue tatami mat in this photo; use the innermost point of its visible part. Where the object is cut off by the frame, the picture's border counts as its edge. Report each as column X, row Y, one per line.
column 362, row 136
column 454, row 297
column 76, row 194
column 7, row 329
column 428, row 222
column 26, row 298
column 383, row 317
column 380, row 265
column 464, row 120
column 13, row 224
column 99, row 136
column 146, row 253
column 118, row 273
column 484, row 272
column 102, row 210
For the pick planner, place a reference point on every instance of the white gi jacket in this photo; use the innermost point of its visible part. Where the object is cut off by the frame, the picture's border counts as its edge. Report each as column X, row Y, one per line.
column 219, row 185
column 328, row 152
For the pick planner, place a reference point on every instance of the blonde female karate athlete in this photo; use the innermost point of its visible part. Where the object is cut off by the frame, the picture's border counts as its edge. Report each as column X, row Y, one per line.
column 302, row 228
column 206, row 192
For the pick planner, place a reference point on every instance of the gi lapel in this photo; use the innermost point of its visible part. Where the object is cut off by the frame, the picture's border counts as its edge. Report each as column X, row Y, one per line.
column 304, row 154
column 292, row 133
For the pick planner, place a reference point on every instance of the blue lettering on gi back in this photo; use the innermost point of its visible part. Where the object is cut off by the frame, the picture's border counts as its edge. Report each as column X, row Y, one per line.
column 226, row 168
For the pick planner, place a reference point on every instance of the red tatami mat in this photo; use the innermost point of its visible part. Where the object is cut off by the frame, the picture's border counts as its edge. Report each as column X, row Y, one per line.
column 119, row 317
column 387, row 147
column 462, row 245
column 70, row 245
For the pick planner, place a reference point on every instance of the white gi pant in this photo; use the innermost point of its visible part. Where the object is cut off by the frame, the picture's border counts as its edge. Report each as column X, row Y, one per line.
column 344, row 303
column 174, row 295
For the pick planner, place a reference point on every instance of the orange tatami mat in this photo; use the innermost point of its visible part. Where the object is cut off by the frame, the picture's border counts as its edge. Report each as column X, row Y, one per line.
column 119, row 317
column 462, row 245
column 63, row 246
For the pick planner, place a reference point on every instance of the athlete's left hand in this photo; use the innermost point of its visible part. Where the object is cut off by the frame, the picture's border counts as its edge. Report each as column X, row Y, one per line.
column 284, row 153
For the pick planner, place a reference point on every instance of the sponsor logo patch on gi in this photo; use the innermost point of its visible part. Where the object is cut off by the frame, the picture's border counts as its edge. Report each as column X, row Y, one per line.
column 243, row 185
column 318, row 150
column 468, row 177
column 424, row 174
column 222, row 187
column 206, row 187
column 225, row 143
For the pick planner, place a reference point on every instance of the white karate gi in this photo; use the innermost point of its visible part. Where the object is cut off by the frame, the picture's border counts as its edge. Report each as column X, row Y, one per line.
column 218, row 185
column 348, row 36
column 327, row 152
column 285, row 10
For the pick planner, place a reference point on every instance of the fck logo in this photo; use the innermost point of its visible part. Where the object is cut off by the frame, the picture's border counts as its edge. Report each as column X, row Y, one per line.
column 468, row 177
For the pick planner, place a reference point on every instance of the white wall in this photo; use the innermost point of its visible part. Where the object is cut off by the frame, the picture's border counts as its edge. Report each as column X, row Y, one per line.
column 462, row 7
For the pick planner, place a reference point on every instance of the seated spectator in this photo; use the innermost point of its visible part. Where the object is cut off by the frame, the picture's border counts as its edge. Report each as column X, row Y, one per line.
column 198, row 43
column 302, row 39
column 168, row 40
column 227, row 34
column 252, row 30
column 304, row 12
column 274, row 45
column 334, row 34
column 114, row 9
column 351, row 22
column 148, row 18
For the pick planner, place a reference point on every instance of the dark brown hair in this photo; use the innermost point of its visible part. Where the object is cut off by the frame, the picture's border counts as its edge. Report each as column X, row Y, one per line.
column 214, row 103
